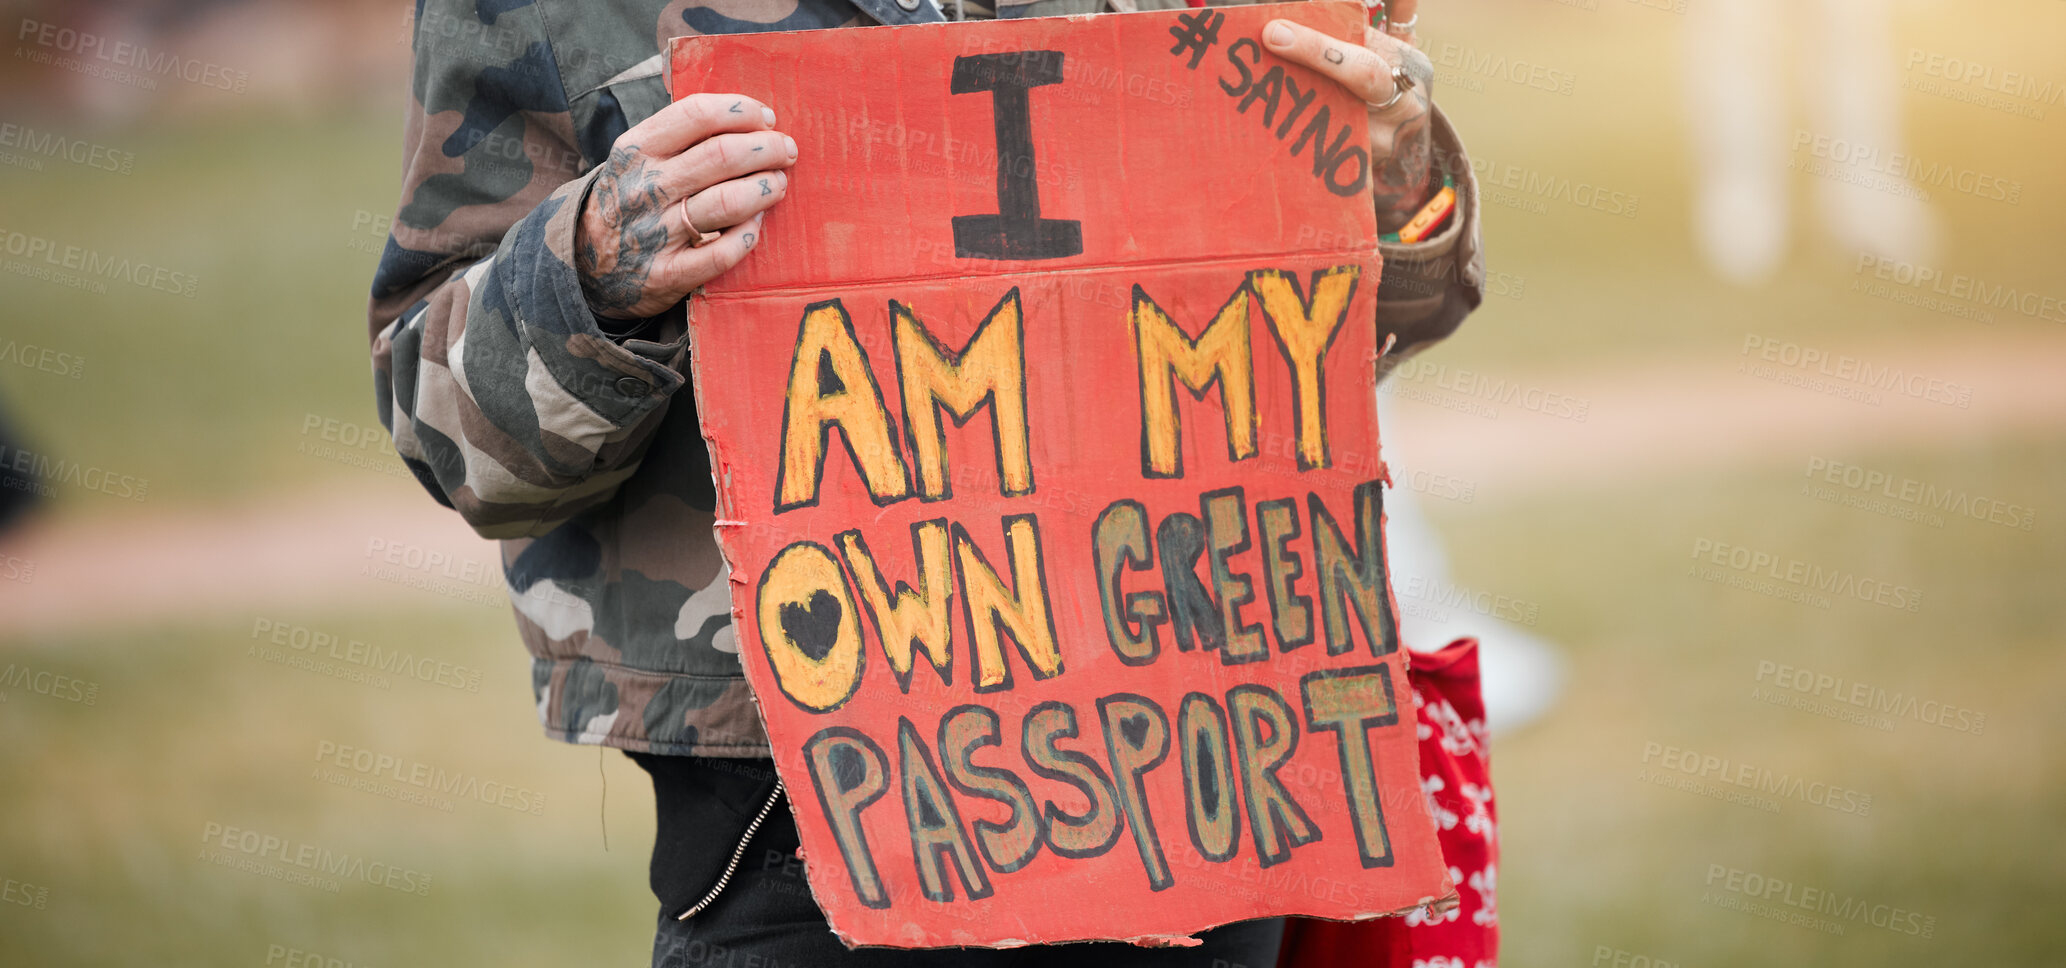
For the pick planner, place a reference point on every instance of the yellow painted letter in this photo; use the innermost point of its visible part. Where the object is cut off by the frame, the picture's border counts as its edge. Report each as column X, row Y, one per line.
column 808, row 627
column 1219, row 355
column 831, row 386
column 1305, row 331
column 905, row 618
column 993, row 610
column 990, row 370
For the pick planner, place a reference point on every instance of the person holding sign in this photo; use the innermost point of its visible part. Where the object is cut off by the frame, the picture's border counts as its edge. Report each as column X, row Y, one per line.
column 530, row 341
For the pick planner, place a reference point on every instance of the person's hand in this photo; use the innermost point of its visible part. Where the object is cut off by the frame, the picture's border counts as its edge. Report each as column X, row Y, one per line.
column 1401, row 149
column 722, row 153
column 1401, row 16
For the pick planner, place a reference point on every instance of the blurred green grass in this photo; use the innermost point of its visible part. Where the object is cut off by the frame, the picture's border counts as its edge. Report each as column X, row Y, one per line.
column 109, row 804
column 206, row 396
column 1959, row 828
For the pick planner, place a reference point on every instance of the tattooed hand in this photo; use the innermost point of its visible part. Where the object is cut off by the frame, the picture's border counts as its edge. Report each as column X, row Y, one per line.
column 722, row 153
column 1402, row 174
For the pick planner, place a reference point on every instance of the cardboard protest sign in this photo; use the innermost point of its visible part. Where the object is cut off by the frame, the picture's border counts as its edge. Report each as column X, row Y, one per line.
column 1045, row 445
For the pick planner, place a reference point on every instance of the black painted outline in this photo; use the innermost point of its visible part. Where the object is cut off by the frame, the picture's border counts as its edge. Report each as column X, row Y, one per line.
column 1298, row 104
column 1133, row 796
column 880, row 899
column 1341, row 747
column 1327, row 158
column 1290, row 567
column 1024, row 810
column 929, row 785
column 1118, row 607
column 1224, row 577
column 1247, row 75
column 1223, row 755
column 1184, row 611
column 1273, row 80
column 1369, row 520
column 1296, row 828
column 1052, row 815
column 1020, row 234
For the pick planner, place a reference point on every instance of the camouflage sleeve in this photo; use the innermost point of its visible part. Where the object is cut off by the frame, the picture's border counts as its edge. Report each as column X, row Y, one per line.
column 1431, row 285
column 503, row 396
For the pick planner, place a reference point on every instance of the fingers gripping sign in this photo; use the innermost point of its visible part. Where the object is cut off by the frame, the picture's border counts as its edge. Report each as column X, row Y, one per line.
column 1397, row 81
column 680, row 200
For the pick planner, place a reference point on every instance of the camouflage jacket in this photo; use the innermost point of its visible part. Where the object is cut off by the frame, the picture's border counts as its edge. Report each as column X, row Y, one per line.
column 579, row 449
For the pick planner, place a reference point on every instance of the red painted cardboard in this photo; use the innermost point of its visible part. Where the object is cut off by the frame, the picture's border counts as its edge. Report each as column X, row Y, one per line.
column 1046, row 449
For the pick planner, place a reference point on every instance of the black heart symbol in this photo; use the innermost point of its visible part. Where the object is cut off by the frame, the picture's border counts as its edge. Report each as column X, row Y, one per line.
column 814, row 629
column 1135, row 729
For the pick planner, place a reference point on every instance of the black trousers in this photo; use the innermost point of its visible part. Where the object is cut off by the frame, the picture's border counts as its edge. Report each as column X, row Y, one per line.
column 765, row 918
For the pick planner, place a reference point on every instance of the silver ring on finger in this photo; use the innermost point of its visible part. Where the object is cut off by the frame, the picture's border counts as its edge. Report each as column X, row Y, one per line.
column 699, row 238
column 1401, row 83
column 1402, row 26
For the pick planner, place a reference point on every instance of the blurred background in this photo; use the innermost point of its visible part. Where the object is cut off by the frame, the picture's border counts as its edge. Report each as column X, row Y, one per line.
column 1758, row 431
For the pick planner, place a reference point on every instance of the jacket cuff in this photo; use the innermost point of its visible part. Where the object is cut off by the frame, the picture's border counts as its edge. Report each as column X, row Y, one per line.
column 1431, row 285
column 621, row 381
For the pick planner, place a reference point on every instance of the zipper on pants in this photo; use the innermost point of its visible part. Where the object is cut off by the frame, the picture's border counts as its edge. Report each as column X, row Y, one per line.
column 732, row 866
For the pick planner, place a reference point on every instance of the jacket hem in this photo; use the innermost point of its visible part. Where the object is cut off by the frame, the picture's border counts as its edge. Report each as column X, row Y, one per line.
column 632, row 744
